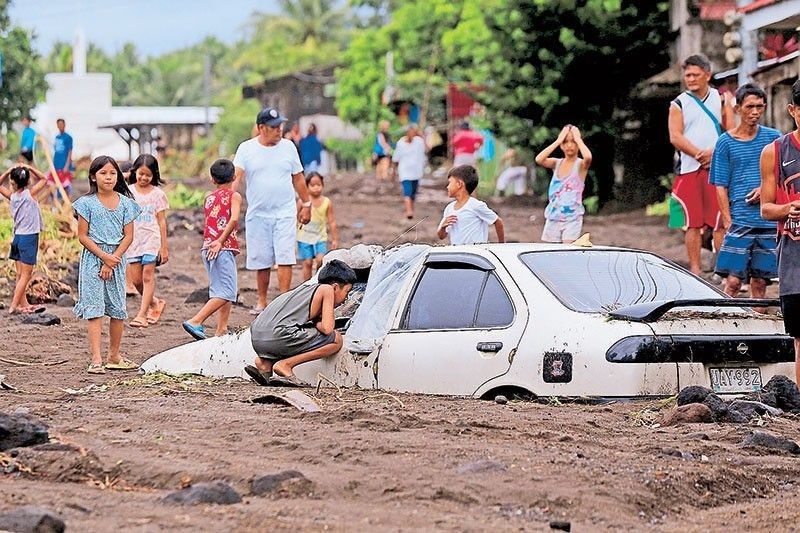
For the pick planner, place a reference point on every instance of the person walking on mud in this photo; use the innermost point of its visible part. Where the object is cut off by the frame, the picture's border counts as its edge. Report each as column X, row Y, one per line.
column 382, row 152
column 780, row 201
column 271, row 168
column 747, row 254
column 697, row 117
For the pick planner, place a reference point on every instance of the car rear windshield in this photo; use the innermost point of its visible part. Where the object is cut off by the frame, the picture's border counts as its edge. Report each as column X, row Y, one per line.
column 595, row 281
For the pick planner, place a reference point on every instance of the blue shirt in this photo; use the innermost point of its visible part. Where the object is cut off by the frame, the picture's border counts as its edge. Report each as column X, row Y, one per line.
column 736, row 165
column 61, row 147
column 310, row 150
column 27, row 140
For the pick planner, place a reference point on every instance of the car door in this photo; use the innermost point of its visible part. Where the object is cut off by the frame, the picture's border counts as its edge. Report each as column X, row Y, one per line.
column 459, row 328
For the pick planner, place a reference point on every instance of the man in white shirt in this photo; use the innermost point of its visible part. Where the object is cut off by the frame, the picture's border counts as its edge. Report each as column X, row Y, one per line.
column 273, row 174
column 466, row 220
column 409, row 154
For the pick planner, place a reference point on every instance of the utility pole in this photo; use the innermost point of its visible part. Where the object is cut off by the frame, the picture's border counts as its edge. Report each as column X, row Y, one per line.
column 749, row 46
column 207, row 89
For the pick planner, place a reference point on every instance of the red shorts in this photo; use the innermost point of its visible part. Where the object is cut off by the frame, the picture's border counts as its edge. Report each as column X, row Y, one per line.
column 698, row 198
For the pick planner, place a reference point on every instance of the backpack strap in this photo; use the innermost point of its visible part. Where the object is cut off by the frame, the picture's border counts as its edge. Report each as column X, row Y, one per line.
column 707, row 112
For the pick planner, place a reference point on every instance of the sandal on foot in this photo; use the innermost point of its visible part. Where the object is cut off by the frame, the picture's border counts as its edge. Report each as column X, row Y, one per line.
column 138, row 323
column 257, row 375
column 198, row 332
column 96, row 368
column 122, row 364
column 286, row 381
column 154, row 313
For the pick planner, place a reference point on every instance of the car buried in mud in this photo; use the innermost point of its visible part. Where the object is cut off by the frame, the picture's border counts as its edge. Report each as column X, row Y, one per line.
column 548, row 320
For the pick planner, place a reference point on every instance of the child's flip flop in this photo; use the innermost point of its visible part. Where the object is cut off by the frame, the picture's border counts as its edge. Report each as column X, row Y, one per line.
column 122, row 364
column 138, row 323
column 256, row 375
column 198, row 332
column 286, row 381
column 96, row 369
column 154, row 313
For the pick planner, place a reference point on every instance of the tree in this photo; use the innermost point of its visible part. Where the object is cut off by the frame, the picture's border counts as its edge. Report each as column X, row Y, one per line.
column 23, row 79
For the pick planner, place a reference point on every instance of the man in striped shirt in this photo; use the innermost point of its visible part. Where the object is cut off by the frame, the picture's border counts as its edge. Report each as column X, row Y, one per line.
column 748, row 248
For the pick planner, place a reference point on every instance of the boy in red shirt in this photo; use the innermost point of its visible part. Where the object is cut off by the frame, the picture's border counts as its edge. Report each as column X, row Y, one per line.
column 465, row 146
column 220, row 248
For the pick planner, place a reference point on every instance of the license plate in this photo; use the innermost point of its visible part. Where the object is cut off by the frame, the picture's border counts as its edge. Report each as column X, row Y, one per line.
column 742, row 379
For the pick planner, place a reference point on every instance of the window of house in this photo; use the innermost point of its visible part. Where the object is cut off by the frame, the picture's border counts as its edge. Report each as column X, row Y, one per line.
column 458, row 297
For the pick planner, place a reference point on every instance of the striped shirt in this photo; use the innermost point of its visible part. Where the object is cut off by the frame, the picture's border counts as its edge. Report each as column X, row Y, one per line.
column 735, row 165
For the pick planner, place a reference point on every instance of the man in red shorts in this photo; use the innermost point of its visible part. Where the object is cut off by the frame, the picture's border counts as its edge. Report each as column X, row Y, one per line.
column 697, row 117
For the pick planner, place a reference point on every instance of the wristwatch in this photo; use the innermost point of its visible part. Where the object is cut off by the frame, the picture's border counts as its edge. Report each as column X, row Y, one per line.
column 306, row 204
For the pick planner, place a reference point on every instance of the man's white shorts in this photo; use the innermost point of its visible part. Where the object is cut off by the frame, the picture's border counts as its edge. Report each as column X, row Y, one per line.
column 557, row 231
column 270, row 241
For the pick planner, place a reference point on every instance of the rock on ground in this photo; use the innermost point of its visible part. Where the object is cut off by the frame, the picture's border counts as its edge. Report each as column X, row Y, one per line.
column 197, row 296
column 19, row 429
column 762, row 439
column 285, row 483
column 787, row 397
column 65, row 300
column 693, row 394
column 751, row 409
column 214, row 492
column 41, row 319
column 719, row 409
column 687, row 414
column 481, row 466
column 31, row 520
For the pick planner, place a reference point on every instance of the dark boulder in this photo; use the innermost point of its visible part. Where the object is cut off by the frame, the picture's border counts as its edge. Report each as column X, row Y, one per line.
column 17, row 430
column 31, row 520
column 214, row 492
column 693, row 394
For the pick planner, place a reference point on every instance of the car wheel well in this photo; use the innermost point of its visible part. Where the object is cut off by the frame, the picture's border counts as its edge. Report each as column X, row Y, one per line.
column 512, row 392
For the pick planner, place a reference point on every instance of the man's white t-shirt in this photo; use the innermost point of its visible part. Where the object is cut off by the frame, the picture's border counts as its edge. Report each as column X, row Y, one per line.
column 268, row 174
column 474, row 219
column 410, row 158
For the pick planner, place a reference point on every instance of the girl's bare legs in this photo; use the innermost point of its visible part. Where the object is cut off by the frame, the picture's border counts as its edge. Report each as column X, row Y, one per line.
column 223, row 316
column 148, row 282
column 94, row 332
column 115, row 327
column 20, row 299
column 133, row 272
column 307, row 265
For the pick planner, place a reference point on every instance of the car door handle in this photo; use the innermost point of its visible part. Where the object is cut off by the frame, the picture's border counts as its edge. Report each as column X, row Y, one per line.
column 489, row 346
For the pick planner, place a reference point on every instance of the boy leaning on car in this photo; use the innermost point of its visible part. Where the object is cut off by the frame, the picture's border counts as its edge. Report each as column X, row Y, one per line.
column 780, row 201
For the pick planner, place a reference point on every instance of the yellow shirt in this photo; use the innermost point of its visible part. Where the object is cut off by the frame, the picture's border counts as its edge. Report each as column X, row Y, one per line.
column 317, row 228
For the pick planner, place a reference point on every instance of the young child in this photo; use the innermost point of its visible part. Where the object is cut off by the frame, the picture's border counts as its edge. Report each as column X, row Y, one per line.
column 299, row 326
column 312, row 238
column 149, row 247
column 27, row 220
column 219, row 251
column 105, row 229
column 467, row 220
column 564, row 213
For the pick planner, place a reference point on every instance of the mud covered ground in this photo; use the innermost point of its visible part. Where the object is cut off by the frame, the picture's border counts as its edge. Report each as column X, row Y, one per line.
column 372, row 460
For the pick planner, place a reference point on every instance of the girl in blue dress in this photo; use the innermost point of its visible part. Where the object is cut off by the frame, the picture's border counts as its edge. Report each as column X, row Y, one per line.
column 105, row 229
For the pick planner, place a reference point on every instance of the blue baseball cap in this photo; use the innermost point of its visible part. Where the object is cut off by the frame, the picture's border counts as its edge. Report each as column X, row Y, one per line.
column 271, row 117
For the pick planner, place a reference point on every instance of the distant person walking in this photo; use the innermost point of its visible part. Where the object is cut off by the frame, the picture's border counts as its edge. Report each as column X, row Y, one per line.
column 466, row 143
column 382, row 151
column 62, row 157
column 748, row 248
column 311, row 150
column 697, row 117
column 513, row 175
column 271, row 168
column 27, row 142
column 410, row 156
column 780, row 201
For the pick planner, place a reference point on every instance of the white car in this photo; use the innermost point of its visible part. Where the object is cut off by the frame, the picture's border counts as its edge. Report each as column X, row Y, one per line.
column 550, row 320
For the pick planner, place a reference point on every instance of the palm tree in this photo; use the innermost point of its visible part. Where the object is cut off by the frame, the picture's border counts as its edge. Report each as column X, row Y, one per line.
column 301, row 21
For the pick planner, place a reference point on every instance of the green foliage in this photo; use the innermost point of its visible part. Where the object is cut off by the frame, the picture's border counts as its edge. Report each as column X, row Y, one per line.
column 23, row 78
column 350, row 151
column 182, row 197
column 659, row 209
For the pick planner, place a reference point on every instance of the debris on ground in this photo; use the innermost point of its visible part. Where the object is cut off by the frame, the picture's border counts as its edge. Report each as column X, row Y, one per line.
column 20, row 429
column 40, row 319
column 214, row 492
column 481, row 466
column 289, row 483
column 31, row 519
column 293, row 398
column 692, row 413
column 762, row 439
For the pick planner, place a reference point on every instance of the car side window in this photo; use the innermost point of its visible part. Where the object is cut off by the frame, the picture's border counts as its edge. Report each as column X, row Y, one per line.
column 458, row 297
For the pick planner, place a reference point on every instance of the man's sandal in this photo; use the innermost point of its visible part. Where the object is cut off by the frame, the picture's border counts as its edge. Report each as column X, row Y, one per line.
column 122, row 364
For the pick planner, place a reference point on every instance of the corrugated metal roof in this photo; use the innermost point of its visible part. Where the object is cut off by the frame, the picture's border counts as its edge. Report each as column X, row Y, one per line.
column 161, row 115
column 756, row 5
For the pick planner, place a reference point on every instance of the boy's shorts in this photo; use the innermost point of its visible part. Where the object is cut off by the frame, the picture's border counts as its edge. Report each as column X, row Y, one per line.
column 27, row 155
column 790, row 309
column 275, row 351
column 410, row 188
column 748, row 253
column 24, row 248
column 698, row 199
column 222, row 282
column 270, row 241
column 145, row 259
column 559, row 231
column 310, row 251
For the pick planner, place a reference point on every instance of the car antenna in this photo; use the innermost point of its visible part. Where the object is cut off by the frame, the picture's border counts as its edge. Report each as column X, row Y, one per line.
column 407, row 230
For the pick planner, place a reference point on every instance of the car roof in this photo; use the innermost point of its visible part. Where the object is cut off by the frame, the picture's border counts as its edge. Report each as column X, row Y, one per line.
column 521, row 247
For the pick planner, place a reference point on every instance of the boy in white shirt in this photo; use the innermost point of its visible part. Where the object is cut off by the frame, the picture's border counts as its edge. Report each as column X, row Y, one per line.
column 467, row 219
column 411, row 158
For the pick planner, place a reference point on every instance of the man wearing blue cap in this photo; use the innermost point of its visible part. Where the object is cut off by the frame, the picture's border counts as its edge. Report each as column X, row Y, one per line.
column 273, row 174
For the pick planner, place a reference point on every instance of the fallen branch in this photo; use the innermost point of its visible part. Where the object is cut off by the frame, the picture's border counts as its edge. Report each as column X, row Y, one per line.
column 23, row 363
